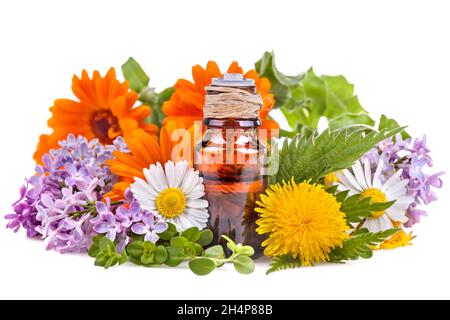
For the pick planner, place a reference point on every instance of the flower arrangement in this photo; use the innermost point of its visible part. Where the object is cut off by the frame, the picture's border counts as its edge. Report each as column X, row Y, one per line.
column 112, row 181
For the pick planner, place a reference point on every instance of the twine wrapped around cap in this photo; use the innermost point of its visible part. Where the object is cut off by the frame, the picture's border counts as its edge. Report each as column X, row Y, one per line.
column 231, row 102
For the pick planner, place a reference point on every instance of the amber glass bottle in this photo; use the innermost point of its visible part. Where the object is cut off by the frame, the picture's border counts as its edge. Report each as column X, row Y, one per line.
column 231, row 158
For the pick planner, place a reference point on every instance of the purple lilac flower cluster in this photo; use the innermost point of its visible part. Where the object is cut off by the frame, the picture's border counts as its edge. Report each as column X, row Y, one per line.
column 61, row 201
column 414, row 158
column 116, row 222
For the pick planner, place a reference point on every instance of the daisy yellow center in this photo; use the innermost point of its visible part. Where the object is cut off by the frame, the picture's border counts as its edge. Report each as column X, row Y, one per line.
column 376, row 196
column 301, row 220
column 171, row 202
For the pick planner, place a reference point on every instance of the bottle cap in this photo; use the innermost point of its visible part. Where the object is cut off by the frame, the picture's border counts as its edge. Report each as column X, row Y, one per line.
column 233, row 80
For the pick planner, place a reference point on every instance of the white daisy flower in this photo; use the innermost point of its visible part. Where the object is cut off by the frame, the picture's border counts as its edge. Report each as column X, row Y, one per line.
column 361, row 181
column 173, row 194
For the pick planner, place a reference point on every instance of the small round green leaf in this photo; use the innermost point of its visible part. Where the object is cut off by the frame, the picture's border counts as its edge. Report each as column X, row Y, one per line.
column 135, row 249
column 175, row 256
column 191, row 234
column 160, row 255
column 245, row 250
column 215, row 252
column 244, row 265
column 206, row 237
column 105, row 243
column 178, row 242
column 202, row 266
column 148, row 258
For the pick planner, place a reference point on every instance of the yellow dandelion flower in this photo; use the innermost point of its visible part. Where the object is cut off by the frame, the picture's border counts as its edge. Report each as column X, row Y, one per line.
column 399, row 239
column 301, row 220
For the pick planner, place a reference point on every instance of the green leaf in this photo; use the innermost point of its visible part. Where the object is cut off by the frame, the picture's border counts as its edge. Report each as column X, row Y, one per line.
column 307, row 97
column 280, row 83
column 135, row 75
column 169, row 233
column 215, row 252
column 95, row 247
column 357, row 208
column 160, row 255
column 135, row 261
column 202, row 266
column 147, row 258
column 230, row 243
column 157, row 116
column 178, row 241
column 206, row 237
column 244, row 264
column 386, row 123
column 175, row 256
column 245, row 250
column 106, row 244
column 359, row 246
column 312, row 158
column 101, row 259
column 135, row 249
column 193, row 249
column 123, row 257
column 191, row 234
column 282, row 263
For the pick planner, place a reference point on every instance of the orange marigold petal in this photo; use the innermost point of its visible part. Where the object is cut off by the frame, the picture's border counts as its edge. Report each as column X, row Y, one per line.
column 235, row 68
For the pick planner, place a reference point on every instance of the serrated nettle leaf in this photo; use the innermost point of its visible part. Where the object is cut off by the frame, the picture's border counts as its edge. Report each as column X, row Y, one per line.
column 202, row 266
column 341, row 196
column 283, row 263
column 357, row 208
column 381, row 206
column 135, row 75
column 359, row 246
column 313, row 157
column 215, row 252
column 206, row 237
column 244, row 264
column 386, row 123
column 191, row 234
column 332, row 190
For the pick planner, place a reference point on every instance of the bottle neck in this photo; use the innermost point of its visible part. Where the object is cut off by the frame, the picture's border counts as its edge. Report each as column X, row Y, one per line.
column 230, row 123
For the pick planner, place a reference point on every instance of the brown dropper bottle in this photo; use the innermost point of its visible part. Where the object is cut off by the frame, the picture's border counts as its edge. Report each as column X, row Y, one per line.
column 230, row 159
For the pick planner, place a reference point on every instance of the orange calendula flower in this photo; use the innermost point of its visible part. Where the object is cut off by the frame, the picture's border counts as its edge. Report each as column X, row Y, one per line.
column 186, row 103
column 145, row 149
column 104, row 110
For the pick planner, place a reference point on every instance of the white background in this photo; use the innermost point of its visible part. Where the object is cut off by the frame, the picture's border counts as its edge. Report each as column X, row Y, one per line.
column 396, row 52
